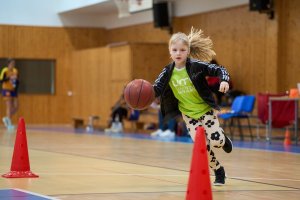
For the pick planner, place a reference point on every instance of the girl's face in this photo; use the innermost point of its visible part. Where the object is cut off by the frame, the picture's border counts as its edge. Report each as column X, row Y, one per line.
column 11, row 65
column 179, row 53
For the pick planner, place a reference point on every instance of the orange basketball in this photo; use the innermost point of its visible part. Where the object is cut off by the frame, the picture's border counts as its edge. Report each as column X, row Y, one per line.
column 139, row 94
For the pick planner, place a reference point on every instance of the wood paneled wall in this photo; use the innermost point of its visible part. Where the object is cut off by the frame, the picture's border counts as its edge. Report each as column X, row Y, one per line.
column 144, row 33
column 99, row 75
column 260, row 54
column 289, row 44
column 91, row 76
column 149, row 60
column 47, row 43
column 245, row 43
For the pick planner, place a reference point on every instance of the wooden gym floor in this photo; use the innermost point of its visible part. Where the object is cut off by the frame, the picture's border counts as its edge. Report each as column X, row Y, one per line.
column 80, row 166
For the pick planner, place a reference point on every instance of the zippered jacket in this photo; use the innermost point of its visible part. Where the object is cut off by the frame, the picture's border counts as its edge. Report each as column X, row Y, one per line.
column 197, row 71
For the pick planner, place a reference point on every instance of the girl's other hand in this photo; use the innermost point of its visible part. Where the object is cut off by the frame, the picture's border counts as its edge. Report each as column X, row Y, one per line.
column 224, row 87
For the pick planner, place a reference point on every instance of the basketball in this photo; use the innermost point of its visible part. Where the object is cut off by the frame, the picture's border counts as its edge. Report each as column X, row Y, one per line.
column 139, row 94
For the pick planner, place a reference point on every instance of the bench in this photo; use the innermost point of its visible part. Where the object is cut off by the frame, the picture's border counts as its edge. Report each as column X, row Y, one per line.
column 78, row 122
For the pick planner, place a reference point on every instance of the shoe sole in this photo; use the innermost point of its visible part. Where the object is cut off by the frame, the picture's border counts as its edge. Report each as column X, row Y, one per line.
column 219, row 184
column 5, row 122
column 11, row 128
column 230, row 143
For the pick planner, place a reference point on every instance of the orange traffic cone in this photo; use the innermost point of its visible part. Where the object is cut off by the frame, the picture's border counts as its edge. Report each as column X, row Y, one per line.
column 287, row 138
column 20, row 167
column 199, row 186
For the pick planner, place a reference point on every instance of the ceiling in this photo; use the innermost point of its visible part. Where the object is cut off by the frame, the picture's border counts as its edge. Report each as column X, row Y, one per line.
column 101, row 8
column 104, row 13
column 96, row 13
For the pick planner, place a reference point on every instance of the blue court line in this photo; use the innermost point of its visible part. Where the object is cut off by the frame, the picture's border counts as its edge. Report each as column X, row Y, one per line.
column 276, row 146
column 17, row 194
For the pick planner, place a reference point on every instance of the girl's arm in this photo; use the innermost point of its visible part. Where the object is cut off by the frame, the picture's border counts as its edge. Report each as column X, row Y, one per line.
column 160, row 83
column 217, row 70
column 4, row 78
column 221, row 72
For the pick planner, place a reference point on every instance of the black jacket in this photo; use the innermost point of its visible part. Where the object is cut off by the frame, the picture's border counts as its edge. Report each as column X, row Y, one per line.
column 197, row 71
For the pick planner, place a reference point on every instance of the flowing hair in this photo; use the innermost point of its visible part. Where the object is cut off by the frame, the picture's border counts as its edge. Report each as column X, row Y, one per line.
column 200, row 47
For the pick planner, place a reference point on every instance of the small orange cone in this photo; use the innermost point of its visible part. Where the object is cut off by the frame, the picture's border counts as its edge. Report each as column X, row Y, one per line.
column 20, row 167
column 199, row 187
column 287, row 138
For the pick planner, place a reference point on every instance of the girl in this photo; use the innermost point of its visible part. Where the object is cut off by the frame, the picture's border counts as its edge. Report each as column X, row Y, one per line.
column 183, row 89
column 9, row 80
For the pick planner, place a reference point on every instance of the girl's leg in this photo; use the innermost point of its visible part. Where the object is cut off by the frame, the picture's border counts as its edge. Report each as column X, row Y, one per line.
column 160, row 121
column 215, row 133
column 15, row 106
column 9, row 107
column 192, row 125
column 217, row 139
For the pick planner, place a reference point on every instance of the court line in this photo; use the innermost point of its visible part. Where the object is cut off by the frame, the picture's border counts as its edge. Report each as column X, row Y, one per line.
column 237, row 178
column 168, row 140
column 35, row 194
column 246, row 179
column 284, row 186
column 111, row 174
column 187, row 171
column 27, row 192
column 267, row 179
column 162, row 175
column 98, row 158
column 159, row 192
column 147, row 176
column 267, row 150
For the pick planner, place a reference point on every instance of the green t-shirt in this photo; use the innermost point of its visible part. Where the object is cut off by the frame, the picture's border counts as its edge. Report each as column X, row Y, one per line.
column 190, row 102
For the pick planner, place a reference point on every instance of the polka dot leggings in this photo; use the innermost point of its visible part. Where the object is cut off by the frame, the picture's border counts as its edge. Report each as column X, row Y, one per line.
column 214, row 134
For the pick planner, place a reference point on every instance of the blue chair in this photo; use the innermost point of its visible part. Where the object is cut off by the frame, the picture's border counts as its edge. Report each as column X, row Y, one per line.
column 248, row 106
column 241, row 108
column 249, row 103
column 236, row 108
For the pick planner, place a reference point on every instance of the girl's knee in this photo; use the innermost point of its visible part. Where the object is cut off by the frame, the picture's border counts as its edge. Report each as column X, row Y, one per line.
column 217, row 139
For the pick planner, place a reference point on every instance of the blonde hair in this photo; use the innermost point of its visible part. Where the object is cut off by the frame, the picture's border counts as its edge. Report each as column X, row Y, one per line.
column 200, row 47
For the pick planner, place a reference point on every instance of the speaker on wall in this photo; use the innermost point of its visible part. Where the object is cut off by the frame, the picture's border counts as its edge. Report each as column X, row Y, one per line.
column 161, row 14
column 263, row 6
column 260, row 5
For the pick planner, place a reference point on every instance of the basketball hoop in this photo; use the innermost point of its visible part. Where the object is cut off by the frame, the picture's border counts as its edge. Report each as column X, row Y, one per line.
column 140, row 5
column 123, row 8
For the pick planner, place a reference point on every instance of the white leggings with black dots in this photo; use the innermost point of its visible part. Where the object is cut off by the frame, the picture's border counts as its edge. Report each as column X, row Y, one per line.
column 214, row 134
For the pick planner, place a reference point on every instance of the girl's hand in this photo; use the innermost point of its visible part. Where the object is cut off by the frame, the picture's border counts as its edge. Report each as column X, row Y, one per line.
column 13, row 77
column 224, row 87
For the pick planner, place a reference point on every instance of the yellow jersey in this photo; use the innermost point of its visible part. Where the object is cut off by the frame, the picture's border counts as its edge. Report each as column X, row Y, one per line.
column 6, row 74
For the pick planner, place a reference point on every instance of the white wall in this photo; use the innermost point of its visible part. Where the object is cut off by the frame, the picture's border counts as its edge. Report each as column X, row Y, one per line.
column 30, row 12
column 188, row 7
column 67, row 5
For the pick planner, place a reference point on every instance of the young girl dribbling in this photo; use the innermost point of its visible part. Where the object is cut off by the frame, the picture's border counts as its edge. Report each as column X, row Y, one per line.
column 183, row 89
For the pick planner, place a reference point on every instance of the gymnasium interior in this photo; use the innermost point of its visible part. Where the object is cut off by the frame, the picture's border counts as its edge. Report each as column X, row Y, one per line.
column 74, row 59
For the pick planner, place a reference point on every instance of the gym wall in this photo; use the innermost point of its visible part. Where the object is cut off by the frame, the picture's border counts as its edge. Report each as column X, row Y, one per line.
column 261, row 55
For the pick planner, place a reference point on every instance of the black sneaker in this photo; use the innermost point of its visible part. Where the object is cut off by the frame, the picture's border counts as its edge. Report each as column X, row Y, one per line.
column 228, row 145
column 220, row 176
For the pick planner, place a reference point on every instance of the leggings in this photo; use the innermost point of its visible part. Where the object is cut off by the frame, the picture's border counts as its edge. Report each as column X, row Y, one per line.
column 215, row 137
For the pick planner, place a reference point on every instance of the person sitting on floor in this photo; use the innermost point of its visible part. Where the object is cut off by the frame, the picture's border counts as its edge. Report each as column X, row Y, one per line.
column 121, row 111
column 165, row 129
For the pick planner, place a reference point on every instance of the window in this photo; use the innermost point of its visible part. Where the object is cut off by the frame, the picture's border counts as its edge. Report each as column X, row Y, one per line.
column 35, row 76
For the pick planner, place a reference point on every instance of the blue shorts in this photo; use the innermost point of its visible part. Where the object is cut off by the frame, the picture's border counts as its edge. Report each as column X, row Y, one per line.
column 134, row 115
column 9, row 93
